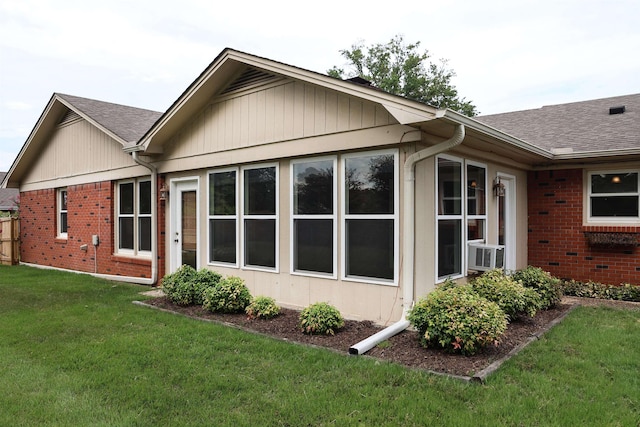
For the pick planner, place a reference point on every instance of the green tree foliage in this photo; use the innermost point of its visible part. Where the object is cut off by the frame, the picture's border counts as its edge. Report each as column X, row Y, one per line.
column 402, row 69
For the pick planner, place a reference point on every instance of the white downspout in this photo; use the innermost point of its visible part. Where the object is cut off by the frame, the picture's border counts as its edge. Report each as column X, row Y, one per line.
column 408, row 247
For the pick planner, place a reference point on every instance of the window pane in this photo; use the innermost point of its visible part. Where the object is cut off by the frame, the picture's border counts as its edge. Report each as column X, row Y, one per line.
column 313, row 187
column 614, row 183
column 260, row 191
column 475, row 190
column 145, row 197
column 125, row 233
column 63, row 222
column 222, row 240
column 449, row 247
column 475, row 229
column 260, row 242
column 63, row 200
column 313, row 245
column 621, row 206
column 222, row 196
column 449, row 187
column 369, row 246
column 144, row 234
column 369, row 182
column 126, row 198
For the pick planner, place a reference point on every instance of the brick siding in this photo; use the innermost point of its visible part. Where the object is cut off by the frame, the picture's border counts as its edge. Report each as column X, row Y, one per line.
column 90, row 210
column 557, row 239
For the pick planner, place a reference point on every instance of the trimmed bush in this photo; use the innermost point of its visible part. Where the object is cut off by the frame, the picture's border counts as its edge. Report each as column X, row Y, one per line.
column 320, row 318
column 178, row 286
column 458, row 320
column 510, row 295
column 262, row 307
column 203, row 280
column 229, row 295
column 548, row 287
column 623, row 292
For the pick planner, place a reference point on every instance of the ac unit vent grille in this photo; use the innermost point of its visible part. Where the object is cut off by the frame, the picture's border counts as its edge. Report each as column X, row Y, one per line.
column 484, row 257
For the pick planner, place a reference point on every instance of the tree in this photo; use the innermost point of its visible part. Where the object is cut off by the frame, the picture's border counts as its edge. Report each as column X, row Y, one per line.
column 401, row 69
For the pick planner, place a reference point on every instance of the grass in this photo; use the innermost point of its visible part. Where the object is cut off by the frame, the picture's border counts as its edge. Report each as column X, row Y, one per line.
column 76, row 351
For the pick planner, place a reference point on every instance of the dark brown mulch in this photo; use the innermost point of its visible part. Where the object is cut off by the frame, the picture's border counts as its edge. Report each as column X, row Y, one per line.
column 403, row 348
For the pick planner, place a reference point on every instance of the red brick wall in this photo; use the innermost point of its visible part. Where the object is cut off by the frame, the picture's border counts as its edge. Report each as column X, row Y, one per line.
column 90, row 211
column 557, row 240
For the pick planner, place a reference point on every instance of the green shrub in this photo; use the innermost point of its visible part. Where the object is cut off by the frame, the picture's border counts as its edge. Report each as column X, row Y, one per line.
column 262, row 307
column 623, row 292
column 548, row 287
column 203, row 280
column 229, row 295
column 458, row 320
column 510, row 295
column 179, row 285
column 320, row 318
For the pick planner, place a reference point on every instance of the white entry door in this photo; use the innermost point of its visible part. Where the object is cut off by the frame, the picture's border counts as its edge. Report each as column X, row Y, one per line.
column 184, row 223
column 507, row 220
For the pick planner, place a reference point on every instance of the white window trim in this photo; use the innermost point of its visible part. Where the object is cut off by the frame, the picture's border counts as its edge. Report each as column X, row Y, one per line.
column 395, row 217
column 136, row 215
column 612, row 220
column 333, row 217
column 276, row 269
column 227, row 217
column 59, row 211
column 463, row 216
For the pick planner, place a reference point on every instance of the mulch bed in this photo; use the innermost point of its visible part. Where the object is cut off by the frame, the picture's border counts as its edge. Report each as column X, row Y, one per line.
column 403, row 348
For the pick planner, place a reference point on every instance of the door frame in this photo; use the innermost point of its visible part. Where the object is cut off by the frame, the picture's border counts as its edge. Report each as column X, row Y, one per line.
column 176, row 187
column 511, row 228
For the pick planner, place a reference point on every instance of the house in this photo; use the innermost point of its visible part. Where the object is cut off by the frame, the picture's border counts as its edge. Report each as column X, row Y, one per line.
column 583, row 202
column 310, row 188
column 8, row 198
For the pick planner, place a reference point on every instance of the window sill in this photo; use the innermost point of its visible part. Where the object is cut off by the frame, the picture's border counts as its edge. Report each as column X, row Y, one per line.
column 131, row 259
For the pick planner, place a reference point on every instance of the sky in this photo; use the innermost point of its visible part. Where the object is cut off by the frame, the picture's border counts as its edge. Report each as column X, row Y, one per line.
column 507, row 55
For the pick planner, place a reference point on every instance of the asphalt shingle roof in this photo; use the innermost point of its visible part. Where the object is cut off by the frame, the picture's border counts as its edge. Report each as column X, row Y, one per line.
column 580, row 126
column 128, row 123
column 7, row 196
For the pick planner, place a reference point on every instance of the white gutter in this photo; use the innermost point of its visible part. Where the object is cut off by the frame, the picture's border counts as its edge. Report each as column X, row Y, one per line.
column 154, row 225
column 408, row 247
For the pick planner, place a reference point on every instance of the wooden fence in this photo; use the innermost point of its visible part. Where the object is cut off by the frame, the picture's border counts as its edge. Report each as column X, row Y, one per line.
column 9, row 241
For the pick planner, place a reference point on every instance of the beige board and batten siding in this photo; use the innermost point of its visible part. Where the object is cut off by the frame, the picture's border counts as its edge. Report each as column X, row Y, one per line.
column 78, row 152
column 290, row 111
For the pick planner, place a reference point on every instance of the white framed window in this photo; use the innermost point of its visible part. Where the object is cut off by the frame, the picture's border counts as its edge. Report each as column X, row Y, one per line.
column 370, row 217
column 313, row 216
column 133, row 232
column 614, row 196
column 260, row 217
column 223, row 217
column 461, row 212
column 62, row 213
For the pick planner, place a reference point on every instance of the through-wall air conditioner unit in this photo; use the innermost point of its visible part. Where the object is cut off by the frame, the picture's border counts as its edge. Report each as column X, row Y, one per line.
column 483, row 257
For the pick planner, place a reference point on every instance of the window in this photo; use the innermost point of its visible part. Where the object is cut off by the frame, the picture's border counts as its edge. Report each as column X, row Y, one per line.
column 370, row 227
column 223, row 217
column 614, row 196
column 457, row 206
column 134, row 217
column 62, row 213
column 260, row 216
column 313, row 236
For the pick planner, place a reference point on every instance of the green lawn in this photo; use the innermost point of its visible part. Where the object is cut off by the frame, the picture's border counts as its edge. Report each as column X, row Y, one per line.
column 74, row 350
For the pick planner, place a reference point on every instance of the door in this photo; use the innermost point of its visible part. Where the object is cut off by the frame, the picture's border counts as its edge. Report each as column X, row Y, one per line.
column 507, row 220
column 184, row 223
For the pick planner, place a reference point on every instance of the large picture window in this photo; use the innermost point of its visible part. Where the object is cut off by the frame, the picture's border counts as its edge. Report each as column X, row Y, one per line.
column 614, row 196
column 370, row 227
column 223, row 217
column 461, row 212
column 313, row 236
column 134, row 217
column 260, row 216
column 61, row 204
